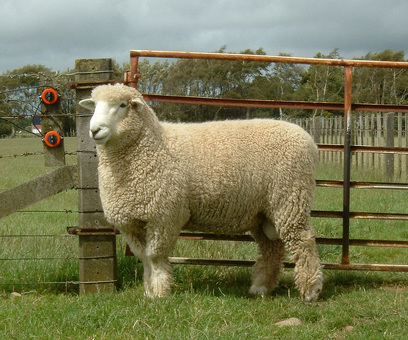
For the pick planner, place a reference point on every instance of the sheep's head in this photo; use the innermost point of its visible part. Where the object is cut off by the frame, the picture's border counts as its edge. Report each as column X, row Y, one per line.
column 111, row 105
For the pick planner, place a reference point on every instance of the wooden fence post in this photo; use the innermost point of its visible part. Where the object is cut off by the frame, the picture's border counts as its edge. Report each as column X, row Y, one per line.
column 389, row 142
column 97, row 240
column 379, row 136
column 406, row 144
column 316, row 129
column 55, row 155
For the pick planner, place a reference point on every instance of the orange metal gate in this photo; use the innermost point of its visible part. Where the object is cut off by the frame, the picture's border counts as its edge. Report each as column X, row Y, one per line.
column 346, row 184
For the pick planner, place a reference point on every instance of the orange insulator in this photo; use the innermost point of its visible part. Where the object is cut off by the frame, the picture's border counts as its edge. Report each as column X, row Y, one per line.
column 52, row 139
column 49, row 96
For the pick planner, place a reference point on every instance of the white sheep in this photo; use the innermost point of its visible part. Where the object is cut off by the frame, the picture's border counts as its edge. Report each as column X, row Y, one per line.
column 158, row 178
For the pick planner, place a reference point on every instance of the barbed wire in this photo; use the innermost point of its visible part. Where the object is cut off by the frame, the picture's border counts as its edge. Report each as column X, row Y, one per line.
column 22, row 75
column 69, row 282
column 35, row 153
column 38, row 75
column 42, row 115
column 16, row 120
column 38, row 258
column 64, row 211
column 20, row 127
column 87, row 72
column 25, row 154
column 20, row 89
column 34, row 235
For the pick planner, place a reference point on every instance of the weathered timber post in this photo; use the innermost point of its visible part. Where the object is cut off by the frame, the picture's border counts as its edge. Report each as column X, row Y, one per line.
column 54, row 151
column 406, row 144
column 97, row 240
column 317, row 129
column 389, row 142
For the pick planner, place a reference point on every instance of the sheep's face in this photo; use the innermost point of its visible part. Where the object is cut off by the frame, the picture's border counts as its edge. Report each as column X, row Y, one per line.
column 106, row 122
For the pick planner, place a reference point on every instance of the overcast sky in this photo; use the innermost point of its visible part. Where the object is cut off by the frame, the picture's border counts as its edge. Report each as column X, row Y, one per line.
column 55, row 33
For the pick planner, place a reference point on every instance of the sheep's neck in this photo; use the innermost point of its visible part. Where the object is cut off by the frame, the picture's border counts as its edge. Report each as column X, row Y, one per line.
column 143, row 152
column 138, row 166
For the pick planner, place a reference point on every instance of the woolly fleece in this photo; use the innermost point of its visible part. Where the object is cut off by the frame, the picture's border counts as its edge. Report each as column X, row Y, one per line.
column 159, row 178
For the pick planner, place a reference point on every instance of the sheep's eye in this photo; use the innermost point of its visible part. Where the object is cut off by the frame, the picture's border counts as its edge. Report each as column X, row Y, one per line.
column 123, row 105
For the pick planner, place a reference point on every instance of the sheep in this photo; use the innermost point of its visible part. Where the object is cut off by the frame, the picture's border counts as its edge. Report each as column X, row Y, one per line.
column 158, row 178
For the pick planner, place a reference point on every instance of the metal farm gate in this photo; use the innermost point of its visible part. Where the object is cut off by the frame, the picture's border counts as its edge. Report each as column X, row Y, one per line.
column 347, row 148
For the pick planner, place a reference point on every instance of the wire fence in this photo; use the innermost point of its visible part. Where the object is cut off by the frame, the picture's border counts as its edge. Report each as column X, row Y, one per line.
column 36, row 252
column 35, row 249
column 36, row 153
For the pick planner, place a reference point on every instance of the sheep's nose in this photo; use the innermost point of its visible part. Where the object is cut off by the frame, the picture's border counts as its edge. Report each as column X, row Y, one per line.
column 94, row 132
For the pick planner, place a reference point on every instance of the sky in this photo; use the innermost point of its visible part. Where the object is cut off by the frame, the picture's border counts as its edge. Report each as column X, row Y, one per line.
column 56, row 33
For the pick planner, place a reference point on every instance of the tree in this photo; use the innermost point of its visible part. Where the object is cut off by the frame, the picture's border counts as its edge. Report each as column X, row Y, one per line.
column 381, row 85
column 6, row 129
column 285, row 79
column 19, row 96
column 324, row 83
column 212, row 78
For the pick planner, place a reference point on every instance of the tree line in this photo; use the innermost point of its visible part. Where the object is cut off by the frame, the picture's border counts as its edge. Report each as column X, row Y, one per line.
column 20, row 88
column 274, row 81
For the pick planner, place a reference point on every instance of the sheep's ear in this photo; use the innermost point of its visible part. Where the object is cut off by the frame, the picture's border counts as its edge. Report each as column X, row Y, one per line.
column 138, row 103
column 88, row 104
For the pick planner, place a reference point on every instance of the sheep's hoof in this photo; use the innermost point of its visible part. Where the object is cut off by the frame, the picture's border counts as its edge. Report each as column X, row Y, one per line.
column 258, row 290
column 151, row 295
column 307, row 299
column 310, row 298
column 157, row 291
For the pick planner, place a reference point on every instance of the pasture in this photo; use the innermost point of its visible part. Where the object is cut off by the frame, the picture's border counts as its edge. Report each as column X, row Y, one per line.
column 40, row 260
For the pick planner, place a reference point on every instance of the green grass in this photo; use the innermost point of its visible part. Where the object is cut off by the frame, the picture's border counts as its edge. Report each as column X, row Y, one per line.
column 204, row 311
column 207, row 302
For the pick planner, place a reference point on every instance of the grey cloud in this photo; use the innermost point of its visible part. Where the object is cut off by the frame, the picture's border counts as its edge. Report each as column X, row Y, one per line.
column 56, row 33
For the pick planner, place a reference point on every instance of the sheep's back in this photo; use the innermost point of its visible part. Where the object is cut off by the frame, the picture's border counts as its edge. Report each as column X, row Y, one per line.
column 257, row 145
column 231, row 166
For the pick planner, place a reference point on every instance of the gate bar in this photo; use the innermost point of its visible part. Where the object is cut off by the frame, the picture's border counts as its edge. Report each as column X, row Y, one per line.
column 250, row 263
column 347, row 105
column 347, row 164
column 267, row 58
column 267, row 103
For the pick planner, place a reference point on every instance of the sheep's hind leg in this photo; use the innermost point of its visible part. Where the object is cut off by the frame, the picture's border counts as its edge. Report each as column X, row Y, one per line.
column 268, row 267
column 308, row 271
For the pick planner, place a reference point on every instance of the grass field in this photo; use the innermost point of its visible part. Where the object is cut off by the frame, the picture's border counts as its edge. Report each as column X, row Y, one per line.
column 207, row 302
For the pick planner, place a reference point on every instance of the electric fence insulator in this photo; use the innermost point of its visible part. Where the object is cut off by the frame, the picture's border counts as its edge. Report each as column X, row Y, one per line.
column 52, row 139
column 49, row 96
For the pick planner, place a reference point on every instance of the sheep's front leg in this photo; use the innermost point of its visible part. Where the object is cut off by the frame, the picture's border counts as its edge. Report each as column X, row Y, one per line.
column 158, row 274
column 268, row 267
column 136, row 239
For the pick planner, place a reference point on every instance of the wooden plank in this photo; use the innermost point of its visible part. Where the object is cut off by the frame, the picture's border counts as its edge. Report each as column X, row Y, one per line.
column 37, row 189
